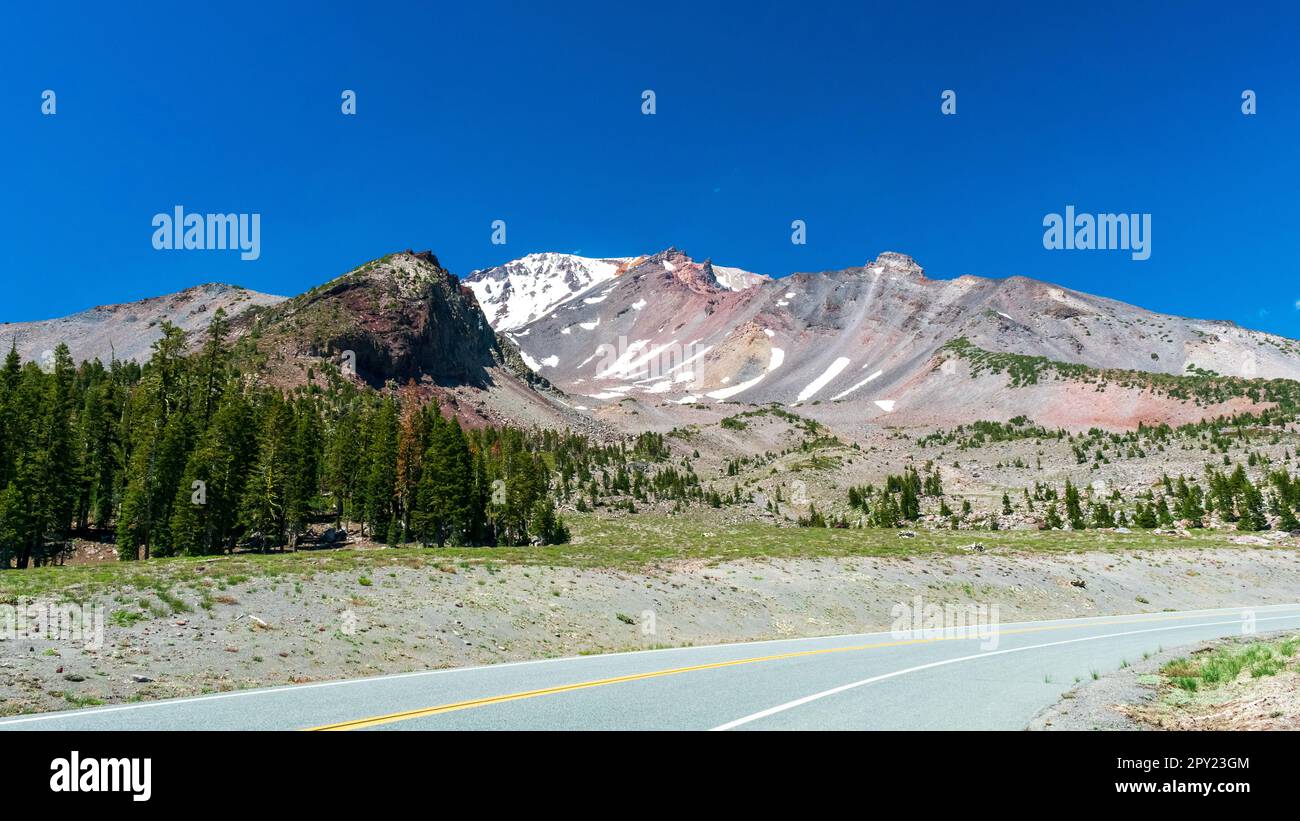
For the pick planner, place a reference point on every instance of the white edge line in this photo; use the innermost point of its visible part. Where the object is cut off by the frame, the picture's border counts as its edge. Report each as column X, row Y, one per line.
column 799, row 702
column 256, row 691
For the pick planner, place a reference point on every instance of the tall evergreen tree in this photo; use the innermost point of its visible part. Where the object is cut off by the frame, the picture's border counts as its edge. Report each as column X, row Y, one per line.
column 159, row 435
column 303, row 465
column 446, row 492
column 342, row 462
column 264, row 508
column 381, row 476
column 205, row 517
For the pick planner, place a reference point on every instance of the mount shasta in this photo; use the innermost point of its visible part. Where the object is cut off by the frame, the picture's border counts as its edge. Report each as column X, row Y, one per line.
column 659, row 341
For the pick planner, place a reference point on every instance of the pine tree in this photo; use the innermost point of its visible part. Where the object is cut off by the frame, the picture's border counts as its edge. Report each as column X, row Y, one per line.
column 886, row 512
column 1053, row 520
column 1073, row 509
column 11, row 434
column 1252, row 509
column 1188, row 504
column 413, row 433
column 1102, row 516
column 264, row 506
column 1145, row 516
column 548, row 527
column 158, row 434
column 381, row 474
column 62, row 476
column 1287, row 519
column 480, row 529
column 1163, row 514
column 304, row 468
column 342, row 462
column 212, row 366
column 909, row 505
column 445, row 512
column 100, row 445
column 524, row 485
column 205, row 517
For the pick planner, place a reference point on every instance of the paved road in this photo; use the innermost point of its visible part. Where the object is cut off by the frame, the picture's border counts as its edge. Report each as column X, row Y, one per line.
column 855, row 682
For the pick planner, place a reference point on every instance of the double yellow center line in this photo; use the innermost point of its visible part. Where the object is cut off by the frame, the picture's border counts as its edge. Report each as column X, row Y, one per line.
column 362, row 723
column 375, row 721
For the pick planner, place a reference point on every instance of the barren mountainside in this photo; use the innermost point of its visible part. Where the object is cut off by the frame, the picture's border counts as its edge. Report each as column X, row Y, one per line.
column 877, row 343
column 128, row 330
column 661, row 340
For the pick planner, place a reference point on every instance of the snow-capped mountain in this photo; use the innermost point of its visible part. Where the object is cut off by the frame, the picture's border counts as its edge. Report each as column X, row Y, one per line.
column 529, row 288
column 885, row 342
column 661, row 341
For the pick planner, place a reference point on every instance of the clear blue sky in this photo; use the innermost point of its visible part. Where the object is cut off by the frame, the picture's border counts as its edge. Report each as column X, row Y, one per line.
column 766, row 113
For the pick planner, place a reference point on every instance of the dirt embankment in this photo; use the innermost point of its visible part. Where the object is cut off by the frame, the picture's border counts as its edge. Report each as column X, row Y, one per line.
column 213, row 635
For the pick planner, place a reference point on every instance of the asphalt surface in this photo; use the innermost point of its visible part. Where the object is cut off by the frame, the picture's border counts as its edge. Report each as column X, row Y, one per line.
column 928, row 680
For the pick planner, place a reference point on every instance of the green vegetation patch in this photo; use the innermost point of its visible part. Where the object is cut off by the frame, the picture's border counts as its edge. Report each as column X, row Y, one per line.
column 1199, row 386
column 1224, row 665
column 628, row 542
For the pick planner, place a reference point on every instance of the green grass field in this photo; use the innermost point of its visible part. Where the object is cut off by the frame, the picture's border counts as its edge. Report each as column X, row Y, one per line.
column 627, row 543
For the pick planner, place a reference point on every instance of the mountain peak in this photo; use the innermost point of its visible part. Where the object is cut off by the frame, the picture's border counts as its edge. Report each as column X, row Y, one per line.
column 402, row 316
column 896, row 263
column 694, row 275
column 424, row 256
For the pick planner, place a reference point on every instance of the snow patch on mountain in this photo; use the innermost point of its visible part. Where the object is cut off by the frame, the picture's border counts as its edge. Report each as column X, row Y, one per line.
column 820, row 382
column 532, row 287
column 529, row 361
column 736, row 279
column 529, row 288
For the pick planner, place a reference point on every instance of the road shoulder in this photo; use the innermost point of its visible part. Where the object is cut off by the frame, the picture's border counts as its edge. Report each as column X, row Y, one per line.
column 1146, row 696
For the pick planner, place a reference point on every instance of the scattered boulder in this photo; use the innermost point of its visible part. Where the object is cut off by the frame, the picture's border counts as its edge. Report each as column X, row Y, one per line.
column 334, row 536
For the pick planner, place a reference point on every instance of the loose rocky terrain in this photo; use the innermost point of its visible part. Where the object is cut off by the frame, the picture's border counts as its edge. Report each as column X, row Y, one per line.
column 127, row 331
